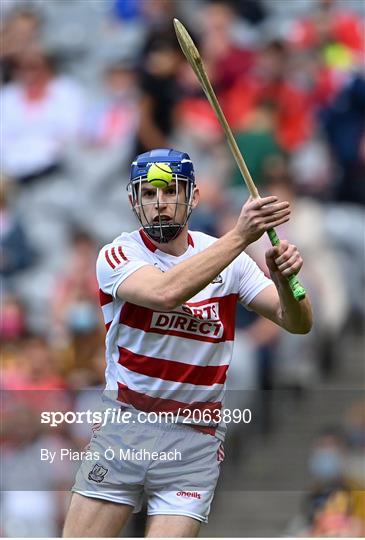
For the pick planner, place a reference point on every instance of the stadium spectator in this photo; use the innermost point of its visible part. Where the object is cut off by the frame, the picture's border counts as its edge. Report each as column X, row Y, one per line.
column 39, row 370
column 270, row 81
column 75, row 303
column 113, row 119
column 161, row 61
column 328, row 24
column 226, row 59
column 257, row 142
column 13, row 319
column 35, row 126
column 331, row 514
column 328, row 455
column 336, row 502
column 16, row 253
column 343, row 121
column 20, row 31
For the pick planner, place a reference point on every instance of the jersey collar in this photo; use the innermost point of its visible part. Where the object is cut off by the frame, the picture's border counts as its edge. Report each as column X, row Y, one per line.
column 151, row 246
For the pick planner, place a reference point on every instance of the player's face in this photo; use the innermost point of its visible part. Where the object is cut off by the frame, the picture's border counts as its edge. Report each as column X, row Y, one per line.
column 166, row 204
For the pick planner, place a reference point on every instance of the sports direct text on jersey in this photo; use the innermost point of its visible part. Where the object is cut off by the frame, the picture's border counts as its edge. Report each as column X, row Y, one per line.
column 185, row 320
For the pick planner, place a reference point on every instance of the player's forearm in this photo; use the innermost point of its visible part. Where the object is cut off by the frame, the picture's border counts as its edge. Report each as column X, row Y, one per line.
column 186, row 279
column 295, row 317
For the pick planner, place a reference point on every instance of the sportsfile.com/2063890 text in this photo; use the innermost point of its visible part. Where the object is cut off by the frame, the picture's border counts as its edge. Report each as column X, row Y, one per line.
column 122, row 416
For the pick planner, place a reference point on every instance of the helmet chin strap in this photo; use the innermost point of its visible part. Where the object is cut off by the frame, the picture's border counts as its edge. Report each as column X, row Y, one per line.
column 163, row 233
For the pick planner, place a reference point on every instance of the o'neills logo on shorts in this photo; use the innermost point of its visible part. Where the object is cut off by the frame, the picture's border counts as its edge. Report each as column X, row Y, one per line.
column 189, row 494
column 201, row 321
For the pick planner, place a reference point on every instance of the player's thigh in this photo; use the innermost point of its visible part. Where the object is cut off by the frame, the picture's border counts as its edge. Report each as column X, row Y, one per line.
column 172, row 526
column 87, row 517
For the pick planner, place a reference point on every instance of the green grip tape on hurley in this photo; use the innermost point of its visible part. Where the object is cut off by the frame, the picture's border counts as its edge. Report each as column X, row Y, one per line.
column 297, row 289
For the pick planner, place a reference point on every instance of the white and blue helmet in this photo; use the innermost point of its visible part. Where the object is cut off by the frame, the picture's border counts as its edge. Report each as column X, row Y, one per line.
column 182, row 171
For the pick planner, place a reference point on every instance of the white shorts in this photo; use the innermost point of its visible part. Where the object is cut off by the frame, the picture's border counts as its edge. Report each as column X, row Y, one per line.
column 176, row 466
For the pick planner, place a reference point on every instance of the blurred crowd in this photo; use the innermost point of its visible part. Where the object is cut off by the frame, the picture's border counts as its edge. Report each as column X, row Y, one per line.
column 335, row 505
column 85, row 86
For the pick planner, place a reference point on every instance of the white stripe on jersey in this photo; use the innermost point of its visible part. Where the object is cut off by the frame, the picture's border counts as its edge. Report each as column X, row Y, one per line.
column 177, row 391
column 174, row 348
column 108, row 312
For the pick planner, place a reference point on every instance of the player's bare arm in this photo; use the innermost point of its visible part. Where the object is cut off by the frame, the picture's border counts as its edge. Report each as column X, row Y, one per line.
column 154, row 289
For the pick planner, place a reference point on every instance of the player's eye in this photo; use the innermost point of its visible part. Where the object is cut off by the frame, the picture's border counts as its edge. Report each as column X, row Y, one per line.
column 149, row 194
column 170, row 191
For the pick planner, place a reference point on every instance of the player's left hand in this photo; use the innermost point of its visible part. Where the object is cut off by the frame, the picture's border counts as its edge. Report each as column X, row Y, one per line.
column 284, row 259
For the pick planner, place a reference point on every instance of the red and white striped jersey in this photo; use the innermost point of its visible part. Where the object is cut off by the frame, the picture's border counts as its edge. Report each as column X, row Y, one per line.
column 176, row 360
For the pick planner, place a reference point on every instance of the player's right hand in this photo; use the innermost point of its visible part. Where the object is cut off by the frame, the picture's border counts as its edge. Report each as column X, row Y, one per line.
column 259, row 215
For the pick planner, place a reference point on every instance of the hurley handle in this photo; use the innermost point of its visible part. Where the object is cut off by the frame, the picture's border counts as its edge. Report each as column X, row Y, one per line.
column 296, row 288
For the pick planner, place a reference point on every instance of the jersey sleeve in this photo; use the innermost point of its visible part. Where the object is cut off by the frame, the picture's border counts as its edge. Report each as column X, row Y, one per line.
column 252, row 280
column 115, row 263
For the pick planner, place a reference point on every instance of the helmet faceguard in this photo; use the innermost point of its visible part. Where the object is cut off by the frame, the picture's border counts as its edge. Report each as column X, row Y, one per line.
column 161, row 229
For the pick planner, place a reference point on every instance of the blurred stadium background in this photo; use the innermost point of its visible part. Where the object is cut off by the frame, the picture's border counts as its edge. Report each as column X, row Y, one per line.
column 87, row 84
